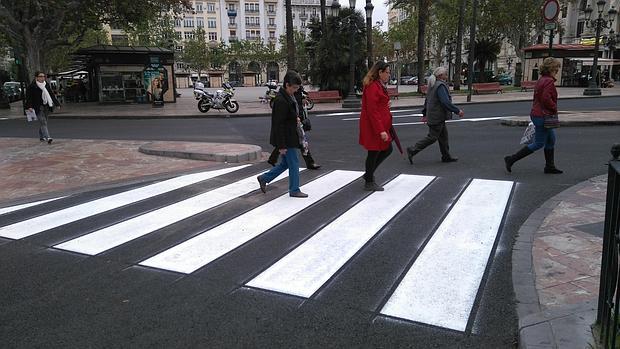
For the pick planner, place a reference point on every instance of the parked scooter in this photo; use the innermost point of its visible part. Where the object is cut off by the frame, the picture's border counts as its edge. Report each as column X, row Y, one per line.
column 270, row 94
column 308, row 102
column 221, row 99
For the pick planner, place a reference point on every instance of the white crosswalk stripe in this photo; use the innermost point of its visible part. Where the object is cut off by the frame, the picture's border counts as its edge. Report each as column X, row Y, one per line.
column 10, row 209
column 212, row 244
column 120, row 233
column 303, row 271
column 55, row 219
column 441, row 286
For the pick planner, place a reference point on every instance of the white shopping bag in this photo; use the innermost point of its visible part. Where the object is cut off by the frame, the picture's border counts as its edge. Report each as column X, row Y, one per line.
column 31, row 115
column 528, row 135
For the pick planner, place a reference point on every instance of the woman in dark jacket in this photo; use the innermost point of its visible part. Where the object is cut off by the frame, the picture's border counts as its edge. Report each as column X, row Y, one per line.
column 284, row 136
column 41, row 100
column 375, row 122
column 545, row 105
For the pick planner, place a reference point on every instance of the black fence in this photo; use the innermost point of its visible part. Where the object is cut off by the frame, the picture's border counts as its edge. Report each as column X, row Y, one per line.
column 609, row 289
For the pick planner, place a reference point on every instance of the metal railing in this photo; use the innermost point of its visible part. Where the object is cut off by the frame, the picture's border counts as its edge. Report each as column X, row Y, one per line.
column 609, row 288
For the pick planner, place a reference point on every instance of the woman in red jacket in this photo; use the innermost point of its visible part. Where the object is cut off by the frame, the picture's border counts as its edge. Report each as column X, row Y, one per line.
column 545, row 106
column 375, row 122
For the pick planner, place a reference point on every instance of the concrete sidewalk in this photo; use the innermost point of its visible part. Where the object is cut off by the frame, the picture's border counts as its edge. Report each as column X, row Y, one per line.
column 556, row 255
column 186, row 106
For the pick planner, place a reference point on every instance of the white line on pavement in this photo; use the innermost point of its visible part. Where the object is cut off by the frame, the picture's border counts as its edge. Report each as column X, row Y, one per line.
column 22, row 206
column 202, row 249
column 304, row 270
column 71, row 214
column 441, row 286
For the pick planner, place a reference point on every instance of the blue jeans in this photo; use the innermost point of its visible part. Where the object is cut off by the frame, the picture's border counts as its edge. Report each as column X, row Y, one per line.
column 543, row 137
column 288, row 161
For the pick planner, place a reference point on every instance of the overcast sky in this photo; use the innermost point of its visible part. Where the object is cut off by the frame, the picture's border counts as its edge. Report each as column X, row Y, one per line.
column 378, row 14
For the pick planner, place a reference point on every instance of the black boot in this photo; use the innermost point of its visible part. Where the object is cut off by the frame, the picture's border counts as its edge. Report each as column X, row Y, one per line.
column 550, row 163
column 511, row 159
column 411, row 151
column 310, row 164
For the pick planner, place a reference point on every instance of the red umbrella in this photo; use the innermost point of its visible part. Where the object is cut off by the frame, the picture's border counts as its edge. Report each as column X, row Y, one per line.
column 395, row 139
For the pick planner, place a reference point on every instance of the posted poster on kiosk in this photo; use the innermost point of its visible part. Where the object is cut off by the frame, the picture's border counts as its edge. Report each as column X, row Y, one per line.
column 156, row 80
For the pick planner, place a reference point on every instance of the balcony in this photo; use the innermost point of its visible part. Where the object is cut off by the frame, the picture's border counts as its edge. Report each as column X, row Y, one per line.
column 271, row 25
column 233, row 38
column 251, row 11
column 253, row 38
column 252, row 25
column 271, row 12
column 232, row 25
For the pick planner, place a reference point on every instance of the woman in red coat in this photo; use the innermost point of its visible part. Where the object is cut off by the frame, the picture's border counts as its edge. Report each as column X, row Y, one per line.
column 375, row 122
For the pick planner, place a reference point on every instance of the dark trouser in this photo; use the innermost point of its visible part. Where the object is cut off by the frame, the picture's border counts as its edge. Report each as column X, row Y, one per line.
column 436, row 133
column 42, row 115
column 273, row 158
column 373, row 160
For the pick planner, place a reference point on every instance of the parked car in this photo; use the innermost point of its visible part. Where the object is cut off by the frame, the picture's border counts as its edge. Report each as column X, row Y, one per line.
column 403, row 79
column 13, row 90
column 504, row 79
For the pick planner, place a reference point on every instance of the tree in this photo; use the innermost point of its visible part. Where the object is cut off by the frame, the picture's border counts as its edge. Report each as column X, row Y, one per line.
column 37, row 27
column 330, row 51
column 290, row 43
column 459, row 45
column 196, row 52
column 423, row 10
column 486, row 50
column 158, row 32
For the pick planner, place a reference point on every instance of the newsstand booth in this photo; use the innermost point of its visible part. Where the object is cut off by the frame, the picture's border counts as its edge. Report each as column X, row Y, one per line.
column 128, row 74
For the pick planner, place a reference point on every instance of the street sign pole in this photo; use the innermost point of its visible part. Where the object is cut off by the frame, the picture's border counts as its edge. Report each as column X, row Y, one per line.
column 550, row 12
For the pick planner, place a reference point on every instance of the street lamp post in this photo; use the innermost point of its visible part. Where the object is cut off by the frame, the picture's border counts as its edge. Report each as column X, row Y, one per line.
column 351, row 101
column 397, row 49
column 369, row 8
column 599, row 23
column 450, row 47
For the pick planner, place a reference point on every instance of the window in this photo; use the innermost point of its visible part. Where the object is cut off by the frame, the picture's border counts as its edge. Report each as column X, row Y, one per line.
column 211, row 22
column 272, row 22
column 211, row 7
column 252, row 21
column 179, row 48
column 583, row 5
column 188, row 22
column 272, row 9
column 303, row 24
column 579, row 28
column 272, row 35
column 200, row 22
column 189, row 35
column 233, row 33
column 251, row 7
column 212, row 36
column 177, row 22
column 247, row 34
column 199, row 8
column 232, row 7
column 179, row 35
column 231, row 20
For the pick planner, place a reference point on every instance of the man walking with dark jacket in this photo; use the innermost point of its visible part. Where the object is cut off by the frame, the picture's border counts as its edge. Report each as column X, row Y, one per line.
column 438, row 108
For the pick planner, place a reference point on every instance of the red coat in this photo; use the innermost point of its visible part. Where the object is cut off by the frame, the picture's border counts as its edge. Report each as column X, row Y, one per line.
column 545, row 97
column 375, row 117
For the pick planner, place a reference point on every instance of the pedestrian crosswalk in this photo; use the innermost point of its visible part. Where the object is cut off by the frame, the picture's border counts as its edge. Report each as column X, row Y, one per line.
column 439, row 288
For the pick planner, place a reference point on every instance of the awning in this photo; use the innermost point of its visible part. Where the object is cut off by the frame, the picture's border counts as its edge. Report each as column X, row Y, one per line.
column 601, row 61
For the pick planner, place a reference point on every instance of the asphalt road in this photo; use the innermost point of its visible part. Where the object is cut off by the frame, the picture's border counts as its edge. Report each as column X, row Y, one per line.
column 55, row 298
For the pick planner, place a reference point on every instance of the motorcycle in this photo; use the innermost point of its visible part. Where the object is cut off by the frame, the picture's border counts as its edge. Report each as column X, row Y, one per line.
column 221, row 99
column 308, row 102
column 270, row 94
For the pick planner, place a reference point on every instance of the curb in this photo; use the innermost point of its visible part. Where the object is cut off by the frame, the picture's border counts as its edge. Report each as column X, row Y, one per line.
column 253, row 152
column 540, row 328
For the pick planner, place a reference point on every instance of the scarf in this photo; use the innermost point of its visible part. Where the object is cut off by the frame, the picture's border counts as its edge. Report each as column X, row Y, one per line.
column 47, row 99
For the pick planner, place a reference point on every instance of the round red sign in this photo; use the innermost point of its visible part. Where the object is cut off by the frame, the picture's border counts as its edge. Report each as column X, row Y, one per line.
column 551, row 10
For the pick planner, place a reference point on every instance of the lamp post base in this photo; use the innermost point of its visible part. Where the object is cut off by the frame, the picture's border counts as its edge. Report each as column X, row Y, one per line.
column 592, row 91
column 351, row 102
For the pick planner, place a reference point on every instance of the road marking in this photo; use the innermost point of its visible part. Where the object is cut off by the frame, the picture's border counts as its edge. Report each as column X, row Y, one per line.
column 55, row 219
column 120, row 233
column 458, row 120
column 357, row 112
column 393, row 117
column 202, row 249
column 5, row 210
column 441, row 286
column 304, row 270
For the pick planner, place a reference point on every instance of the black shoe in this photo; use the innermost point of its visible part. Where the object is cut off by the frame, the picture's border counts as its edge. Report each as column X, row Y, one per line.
column 410, row 154
column 49, row 140
column 262, row 184
column 511, row 159
column 41, row 139
column 372, row 186
column 450, row 159
column 298, row 194
column 550, row 162
column 313, row 167
column 553, row 170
